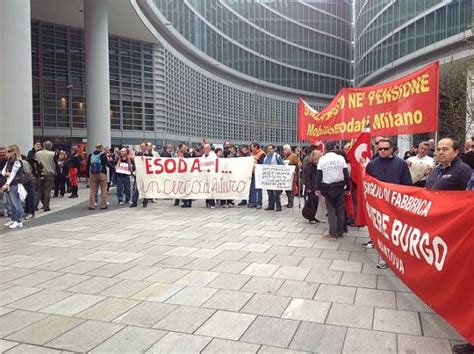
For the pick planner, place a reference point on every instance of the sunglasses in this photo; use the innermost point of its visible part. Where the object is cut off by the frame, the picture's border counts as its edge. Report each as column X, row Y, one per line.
column 9, row 150
column 384, row 149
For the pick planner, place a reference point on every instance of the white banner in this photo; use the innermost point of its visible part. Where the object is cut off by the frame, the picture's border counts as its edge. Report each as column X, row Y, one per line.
column 274, row 177
column 194, row 178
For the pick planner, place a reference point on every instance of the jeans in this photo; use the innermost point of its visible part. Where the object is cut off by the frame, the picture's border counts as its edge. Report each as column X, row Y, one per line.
column 43, row 192
column 3, row 202
column 256, row 195
column 123, row 187
column 15, row 203
column 30, row 206
column 334, row 195
column 274, row 199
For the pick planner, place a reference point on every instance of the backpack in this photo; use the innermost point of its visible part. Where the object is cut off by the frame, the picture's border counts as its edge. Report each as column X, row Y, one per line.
column 96, row 164
column 27, row 176
column 310, row 208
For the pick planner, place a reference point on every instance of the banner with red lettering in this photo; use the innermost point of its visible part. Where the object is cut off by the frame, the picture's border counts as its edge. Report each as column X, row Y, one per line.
column 427, row 239
column 408, row 105
column 194, row 178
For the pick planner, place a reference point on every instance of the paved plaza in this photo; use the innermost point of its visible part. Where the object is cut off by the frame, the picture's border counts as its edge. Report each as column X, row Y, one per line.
column 172, row 280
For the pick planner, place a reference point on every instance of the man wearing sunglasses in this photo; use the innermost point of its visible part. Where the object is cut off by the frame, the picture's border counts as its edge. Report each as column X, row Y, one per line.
column 387, row 167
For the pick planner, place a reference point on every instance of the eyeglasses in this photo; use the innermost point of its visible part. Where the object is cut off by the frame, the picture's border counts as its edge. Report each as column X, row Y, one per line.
column 384, row 149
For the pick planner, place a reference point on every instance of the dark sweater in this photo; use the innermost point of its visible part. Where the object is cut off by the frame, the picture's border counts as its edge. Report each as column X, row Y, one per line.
column 309, row 176
column 453, row 178
column 390, row 170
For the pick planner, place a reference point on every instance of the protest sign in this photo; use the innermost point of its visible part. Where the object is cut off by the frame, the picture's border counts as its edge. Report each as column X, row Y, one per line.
column 426, row 237
column 194, row 178
column 405, row 106
column 274, row 177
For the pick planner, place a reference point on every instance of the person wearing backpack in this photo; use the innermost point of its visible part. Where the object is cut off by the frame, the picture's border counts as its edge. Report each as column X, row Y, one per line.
column 13, row 171
column 28, row 181
column 96, row 170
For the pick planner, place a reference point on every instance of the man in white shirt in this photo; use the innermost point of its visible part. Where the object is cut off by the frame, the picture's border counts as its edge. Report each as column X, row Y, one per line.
column 209, row 156
column 332, row 182
column 420, row 165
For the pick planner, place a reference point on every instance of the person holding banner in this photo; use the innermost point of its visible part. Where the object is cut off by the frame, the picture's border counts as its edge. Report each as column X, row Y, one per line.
column 387, row 168
column 209, row 157
column 292, row 160
column 459, row 174
column 333, row 183
column 451, row 173
column 123, row 171
column 144, row 151
column 255, row 197
column 273, row 158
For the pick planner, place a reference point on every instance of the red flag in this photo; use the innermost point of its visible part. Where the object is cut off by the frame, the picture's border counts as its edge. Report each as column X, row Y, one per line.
column 305, row 111
column 360, row 149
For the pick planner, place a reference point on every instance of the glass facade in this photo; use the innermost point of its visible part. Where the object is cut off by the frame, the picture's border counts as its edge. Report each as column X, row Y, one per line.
column 59, row 97
column 303, row 45
column 387, row 30
column 154, row 94
column 203, row 107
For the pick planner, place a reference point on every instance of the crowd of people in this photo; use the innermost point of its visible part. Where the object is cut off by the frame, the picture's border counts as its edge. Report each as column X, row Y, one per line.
column 29, row 181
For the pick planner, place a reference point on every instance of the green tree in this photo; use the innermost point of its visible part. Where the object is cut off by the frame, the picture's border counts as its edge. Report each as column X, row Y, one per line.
column 455, row 112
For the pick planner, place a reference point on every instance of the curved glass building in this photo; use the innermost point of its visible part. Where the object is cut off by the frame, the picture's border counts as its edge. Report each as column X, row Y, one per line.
column 218, row 69
column 393, row 36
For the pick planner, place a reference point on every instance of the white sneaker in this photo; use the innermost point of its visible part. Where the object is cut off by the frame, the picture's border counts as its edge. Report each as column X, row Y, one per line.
column 29, row 216
column 16, row 225
column 11, row 222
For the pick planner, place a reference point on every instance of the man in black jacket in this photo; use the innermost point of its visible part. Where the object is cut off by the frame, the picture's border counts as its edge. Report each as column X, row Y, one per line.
column 451, row 174
column 96, row 170
column 167, row 151
column 387, row 168
column 333, row 182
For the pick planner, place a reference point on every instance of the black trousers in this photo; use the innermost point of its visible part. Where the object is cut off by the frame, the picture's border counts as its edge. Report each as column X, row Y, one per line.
column 334, row 194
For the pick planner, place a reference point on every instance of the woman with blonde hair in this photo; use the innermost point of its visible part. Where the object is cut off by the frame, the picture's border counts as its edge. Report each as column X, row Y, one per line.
column 13, row 171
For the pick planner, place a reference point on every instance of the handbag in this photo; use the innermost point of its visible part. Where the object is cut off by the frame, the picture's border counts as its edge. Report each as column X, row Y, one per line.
column 22, row 192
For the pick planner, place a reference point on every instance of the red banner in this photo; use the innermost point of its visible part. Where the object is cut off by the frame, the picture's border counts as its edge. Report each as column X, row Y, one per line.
column 427, row 239
column 405, row 106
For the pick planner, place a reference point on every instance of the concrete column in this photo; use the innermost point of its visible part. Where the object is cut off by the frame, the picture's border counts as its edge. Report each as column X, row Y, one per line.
column 16, row 87
column 96, row 30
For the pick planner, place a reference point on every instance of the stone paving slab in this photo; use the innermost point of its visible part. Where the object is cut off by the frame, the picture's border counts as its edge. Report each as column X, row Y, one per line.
column 167, row 279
